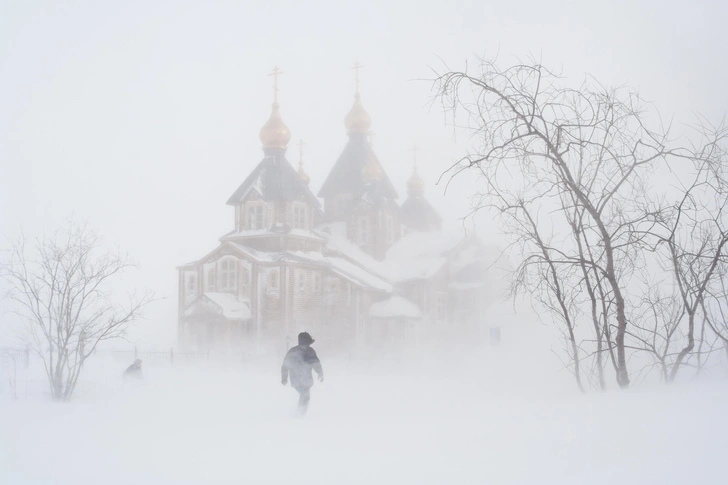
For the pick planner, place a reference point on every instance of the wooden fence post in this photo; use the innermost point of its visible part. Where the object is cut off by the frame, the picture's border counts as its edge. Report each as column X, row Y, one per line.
column 171, row 355
column 208, row 354
column 135, row 352
column 27, row 357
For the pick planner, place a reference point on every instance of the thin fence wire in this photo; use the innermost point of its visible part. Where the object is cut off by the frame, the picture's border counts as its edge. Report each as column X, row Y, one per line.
column 173, row 356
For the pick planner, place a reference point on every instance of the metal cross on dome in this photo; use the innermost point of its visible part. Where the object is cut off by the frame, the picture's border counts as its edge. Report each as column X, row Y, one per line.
column 414, row 154
column 276, row 72
column 356, row 68
column 300, row 151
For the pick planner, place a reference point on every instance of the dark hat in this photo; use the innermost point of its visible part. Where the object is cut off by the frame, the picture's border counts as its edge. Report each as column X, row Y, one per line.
column 305, row 339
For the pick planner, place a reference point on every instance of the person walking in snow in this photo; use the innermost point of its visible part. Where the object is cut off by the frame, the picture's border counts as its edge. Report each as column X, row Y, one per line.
column 134, row 370
column 298, row 363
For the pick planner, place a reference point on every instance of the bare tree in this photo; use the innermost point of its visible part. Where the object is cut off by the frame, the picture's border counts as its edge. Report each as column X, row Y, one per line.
column 542, row 275
column 586, row 157
column 693, row 234
column 715, row 311
column 599, row 302
column 657, row 328
column 60, row 287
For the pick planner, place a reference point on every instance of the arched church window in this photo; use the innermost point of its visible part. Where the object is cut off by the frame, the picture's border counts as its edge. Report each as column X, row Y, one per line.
column 228, row 274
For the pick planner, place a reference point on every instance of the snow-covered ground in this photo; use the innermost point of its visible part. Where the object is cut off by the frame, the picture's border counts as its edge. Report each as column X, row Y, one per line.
column 498, row 418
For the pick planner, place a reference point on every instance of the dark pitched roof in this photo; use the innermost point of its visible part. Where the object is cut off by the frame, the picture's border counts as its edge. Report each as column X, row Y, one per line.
column 275, row 179
column 416, row 213
column 346, row 175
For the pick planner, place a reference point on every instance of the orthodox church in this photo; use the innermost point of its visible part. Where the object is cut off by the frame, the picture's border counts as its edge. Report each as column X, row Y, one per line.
column 360, row 271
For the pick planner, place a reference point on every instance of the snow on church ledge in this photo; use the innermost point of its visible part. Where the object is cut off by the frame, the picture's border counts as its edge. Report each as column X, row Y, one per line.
column 395, row 307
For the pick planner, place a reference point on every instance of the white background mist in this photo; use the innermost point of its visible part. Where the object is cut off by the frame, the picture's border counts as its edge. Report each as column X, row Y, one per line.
column 143, row 117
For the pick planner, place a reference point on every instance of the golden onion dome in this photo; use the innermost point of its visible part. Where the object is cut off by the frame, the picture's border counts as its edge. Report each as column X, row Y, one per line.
column 371, row 171
column 304, row 177
column 275, row 133
column 357, row 120
column 415, row 184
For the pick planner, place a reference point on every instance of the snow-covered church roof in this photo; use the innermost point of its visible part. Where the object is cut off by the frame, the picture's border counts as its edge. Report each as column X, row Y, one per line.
column 224, row 304
column 417, row 255
column 395, row 307
column 342, row 267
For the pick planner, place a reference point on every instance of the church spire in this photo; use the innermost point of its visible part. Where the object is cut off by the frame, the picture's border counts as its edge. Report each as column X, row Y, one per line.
column 415, row 184
column 304, row 177
column 275, row 133
column 357, row 120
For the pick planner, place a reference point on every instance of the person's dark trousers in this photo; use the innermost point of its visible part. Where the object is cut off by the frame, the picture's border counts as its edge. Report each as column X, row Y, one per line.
column 303, row 399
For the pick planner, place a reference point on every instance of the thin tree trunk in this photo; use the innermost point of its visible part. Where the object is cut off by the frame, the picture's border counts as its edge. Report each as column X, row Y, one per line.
column 592, row 298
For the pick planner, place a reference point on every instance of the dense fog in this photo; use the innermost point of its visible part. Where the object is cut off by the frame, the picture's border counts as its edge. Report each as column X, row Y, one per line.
column 501, row 224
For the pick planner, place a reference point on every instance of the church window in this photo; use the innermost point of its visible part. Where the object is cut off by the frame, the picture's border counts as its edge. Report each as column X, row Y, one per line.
column 273, row 280
column 191, row 283
column 228, row 274
column 300, row 212
column 363, row 230
column 301, row 280
column 211, row 279
column 255, row 215
column 316, row 283
column 246, row 280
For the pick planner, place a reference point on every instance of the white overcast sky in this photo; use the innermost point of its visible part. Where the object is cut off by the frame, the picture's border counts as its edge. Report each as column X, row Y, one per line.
column 142, row 117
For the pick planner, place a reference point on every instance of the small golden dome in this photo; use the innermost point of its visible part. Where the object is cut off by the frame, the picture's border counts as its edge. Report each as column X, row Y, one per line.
column 371, row 171
column 415, row 184
column 303, row 174
column 275, row 133
column 357, row 119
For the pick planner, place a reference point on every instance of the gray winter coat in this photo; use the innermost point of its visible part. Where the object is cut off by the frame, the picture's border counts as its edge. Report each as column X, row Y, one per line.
column 298, row 363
